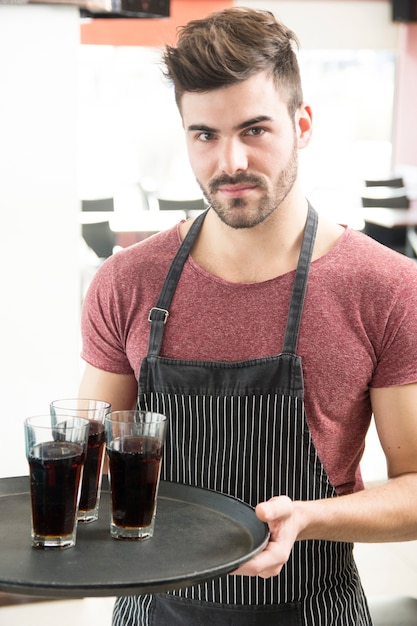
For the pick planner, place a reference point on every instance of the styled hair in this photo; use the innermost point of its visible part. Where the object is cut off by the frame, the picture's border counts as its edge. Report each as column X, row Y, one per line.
column 230, row 46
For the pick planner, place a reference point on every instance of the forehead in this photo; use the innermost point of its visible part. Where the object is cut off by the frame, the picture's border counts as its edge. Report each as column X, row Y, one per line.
column 257, row 96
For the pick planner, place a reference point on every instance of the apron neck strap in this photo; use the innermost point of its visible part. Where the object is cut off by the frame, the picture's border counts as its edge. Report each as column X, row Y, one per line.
column 158, row 315
column 300, row 283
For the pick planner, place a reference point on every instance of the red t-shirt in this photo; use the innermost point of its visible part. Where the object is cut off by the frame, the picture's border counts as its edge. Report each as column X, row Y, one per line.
column 359, row 329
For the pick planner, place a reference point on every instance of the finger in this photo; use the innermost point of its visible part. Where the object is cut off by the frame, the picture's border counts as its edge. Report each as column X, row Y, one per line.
column 276, row 508
column 267, row 563
column 248, row 570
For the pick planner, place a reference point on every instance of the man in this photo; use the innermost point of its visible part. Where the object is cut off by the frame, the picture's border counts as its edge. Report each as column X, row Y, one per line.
column 275, row 338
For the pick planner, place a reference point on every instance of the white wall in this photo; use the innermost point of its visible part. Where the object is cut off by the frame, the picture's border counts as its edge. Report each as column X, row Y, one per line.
column 335, row 24
column 39, row 240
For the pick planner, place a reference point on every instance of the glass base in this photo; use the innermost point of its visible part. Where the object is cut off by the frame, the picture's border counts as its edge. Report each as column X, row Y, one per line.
column 139, row 534
column 86, row 517
column 67, row 541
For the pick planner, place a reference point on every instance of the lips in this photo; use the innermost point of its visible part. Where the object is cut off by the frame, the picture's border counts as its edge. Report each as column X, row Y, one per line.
column 236, row 186
column 233, row 188
column 236, row 191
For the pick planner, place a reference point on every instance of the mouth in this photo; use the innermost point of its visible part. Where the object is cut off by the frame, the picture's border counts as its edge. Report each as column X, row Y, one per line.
column 236, row 191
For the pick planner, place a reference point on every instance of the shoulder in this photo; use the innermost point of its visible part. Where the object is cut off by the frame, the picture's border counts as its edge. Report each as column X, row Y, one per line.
column 366, row 279
column 357, row 255
column 380, row 270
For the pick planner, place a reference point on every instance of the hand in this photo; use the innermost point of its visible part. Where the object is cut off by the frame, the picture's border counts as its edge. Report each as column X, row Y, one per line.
column 280, row 515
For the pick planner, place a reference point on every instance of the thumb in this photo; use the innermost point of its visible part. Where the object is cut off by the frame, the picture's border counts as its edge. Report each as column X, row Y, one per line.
column 275, row 509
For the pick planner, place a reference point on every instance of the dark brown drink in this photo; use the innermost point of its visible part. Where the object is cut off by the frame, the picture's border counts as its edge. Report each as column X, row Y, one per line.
column 134, row 465
column 92, row 468
column 55, row 471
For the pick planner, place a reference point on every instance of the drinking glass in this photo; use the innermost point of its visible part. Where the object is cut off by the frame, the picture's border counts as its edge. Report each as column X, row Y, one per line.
column 94, row 411
column 134, row 441
column 55, row 449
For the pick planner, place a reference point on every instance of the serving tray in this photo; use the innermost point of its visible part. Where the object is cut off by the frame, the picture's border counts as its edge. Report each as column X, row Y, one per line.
column 199, row 535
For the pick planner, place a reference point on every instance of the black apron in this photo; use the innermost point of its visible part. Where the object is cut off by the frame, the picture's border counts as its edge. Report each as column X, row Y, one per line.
column 240, row 428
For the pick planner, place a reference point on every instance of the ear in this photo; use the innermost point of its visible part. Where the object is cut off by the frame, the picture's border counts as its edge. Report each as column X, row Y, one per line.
column 304, row 125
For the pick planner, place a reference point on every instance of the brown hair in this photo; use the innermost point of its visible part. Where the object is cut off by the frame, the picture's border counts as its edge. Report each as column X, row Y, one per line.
column 228, row 47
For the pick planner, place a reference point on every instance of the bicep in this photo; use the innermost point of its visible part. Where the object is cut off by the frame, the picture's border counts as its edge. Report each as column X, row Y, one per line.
column 118, row 389
column 395, row 414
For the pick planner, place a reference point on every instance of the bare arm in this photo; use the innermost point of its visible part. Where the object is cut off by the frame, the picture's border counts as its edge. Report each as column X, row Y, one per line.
column 118, row 389
column 384, row 513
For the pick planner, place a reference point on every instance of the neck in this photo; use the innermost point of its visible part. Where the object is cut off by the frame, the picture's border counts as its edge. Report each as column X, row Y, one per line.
column 253, row 254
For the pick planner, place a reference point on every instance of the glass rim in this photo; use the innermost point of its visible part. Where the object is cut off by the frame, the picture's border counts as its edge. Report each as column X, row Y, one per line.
column 160, row 417
column 101, row 404
column 35, row 421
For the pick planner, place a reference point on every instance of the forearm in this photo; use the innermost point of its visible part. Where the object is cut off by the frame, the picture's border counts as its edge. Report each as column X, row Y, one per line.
column 384, row 513
column 387, row 512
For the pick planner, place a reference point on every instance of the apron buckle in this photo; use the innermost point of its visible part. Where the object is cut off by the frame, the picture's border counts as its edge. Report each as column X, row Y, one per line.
column 156, row 308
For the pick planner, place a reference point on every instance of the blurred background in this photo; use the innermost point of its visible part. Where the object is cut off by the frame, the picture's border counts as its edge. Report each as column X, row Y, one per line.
column 91, row 146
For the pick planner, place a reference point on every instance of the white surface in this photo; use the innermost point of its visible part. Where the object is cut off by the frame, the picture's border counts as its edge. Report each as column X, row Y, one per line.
column 335, row 24
column 39, row 244
column 390, row 217
column 92, row 611
column 146, row 221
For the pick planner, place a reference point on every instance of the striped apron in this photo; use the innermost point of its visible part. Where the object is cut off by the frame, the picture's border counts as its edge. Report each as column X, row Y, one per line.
column 240, row 428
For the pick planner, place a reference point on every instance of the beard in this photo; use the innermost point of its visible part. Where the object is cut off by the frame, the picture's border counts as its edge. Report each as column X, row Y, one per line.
column 237, row 213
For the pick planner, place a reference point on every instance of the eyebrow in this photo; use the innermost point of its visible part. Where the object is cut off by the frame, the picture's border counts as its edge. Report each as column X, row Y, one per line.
column 242, row 126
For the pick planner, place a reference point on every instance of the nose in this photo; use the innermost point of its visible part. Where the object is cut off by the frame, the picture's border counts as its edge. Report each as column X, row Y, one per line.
column 233, row 156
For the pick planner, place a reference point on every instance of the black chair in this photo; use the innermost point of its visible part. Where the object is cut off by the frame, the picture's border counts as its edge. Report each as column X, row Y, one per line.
column 189, row 206
column 100, row 238
column 96, row 229
column 389, row 181
column 101, row 204
column 391, row 198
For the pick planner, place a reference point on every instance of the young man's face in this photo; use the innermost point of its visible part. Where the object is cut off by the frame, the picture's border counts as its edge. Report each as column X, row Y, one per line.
column 243, row 147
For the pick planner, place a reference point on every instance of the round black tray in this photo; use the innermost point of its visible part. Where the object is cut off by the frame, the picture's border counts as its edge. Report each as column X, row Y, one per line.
column 199, row 535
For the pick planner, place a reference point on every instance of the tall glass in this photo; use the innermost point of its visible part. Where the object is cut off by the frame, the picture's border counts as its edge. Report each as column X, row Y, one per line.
column 95, row 412
column 55, row 449
column 134, row 442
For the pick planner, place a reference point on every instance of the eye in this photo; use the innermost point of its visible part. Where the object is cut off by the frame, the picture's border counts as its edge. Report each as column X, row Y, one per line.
column 255, row 131
column 205, row 136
